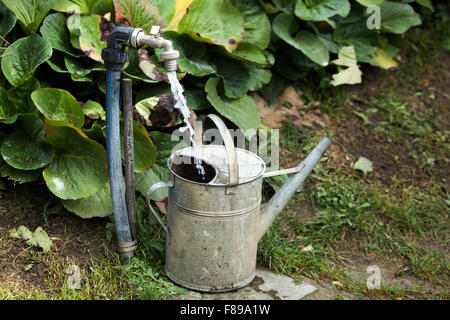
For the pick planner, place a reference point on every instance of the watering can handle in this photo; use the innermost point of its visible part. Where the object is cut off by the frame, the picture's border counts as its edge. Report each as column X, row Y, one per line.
column 152, row 189
column 229, row 146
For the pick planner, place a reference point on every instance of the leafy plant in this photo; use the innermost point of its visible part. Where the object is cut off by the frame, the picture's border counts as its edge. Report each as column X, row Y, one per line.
column 52, row 78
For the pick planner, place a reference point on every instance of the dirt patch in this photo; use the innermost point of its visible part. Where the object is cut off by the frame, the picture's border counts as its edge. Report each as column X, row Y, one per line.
column 75, row 240
column 290, row 107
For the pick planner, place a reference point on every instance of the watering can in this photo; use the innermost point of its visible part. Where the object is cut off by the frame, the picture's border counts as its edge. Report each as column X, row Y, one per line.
column 214, row 226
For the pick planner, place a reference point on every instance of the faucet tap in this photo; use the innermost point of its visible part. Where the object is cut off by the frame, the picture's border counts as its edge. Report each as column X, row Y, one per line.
column 135, row 37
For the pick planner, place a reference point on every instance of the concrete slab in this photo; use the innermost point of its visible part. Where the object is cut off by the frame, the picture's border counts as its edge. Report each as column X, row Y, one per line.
column 267, row 285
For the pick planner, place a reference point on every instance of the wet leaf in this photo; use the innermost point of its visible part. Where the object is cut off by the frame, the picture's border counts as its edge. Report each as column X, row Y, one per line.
column 286, row 27
column 214, row 21
column 97, row 205
column 18, row 65
column 94, row 110
column 398, row 17
column 79, row 168
column 58, row 104
column 320, row 10
column 242, row 111
column 24, row 149
column 55, row 30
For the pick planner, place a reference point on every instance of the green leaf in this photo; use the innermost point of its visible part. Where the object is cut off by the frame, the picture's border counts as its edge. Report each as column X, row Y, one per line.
column 21, row 59
column 285, row 26
column 142, row 68
column 54, row 29
column 398, row 17
column 287, row 6
column 196, row 99
column 20, row 96
column 138, row 13
column 164, row 146
column 320, row 10
column 166, row 8
column 75, row 6
column 193, row 58
column 18, row 176
column 146, row 179
column 79, row 69
column 368, row 3
column 351, row 74
column 242, row 111
column 73, row 24
column 90, row 38
column 7, row 21
column 79, row 168
column 214, row 21
column 359, row 36
column 24, row 149
column 364, row 165
column 249, row 52
column 58, row 104
column 256, row 23
column 97, row 205
column 29, row 12
column 94, row 110
column 144, row 149
column 426, row 4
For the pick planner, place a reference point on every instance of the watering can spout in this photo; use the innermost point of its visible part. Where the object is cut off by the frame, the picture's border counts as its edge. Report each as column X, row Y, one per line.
column 276, row 205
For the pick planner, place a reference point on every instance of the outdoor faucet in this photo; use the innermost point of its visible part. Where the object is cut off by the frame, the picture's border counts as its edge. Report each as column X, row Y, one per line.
column 115, row 56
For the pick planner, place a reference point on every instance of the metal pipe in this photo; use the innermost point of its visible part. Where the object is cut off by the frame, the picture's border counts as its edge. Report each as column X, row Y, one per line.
column 276, row 205
column 127, row 113
column 115, row 163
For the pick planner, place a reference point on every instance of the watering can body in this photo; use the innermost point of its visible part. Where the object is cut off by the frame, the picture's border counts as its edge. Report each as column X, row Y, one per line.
column 213, row 228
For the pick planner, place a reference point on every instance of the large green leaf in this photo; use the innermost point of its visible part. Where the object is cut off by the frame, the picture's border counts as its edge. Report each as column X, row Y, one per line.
column 29, row 12
column 242, row 111
column 90, row 38
column 166, row 8
column 398, row 17
column 238, row 77
column 16, row 175
column 79, row 69
column 7, row 21
column 359, row 36
column 97, row 205
column 24, row 149
column 7, row 109
column 285, row 26
column 251, row 53
column 21, row 59
column 144, row 149
column 79, row 168
column 368, row 3
column 214, row 21
column 138, row 13
column 320, row 10
column 193, row 58
column 256, row 23
column 54, row 29
column 58, row 104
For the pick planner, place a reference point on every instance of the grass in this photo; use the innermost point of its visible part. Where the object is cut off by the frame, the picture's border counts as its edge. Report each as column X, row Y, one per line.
column 355, row 216
column 401, row 222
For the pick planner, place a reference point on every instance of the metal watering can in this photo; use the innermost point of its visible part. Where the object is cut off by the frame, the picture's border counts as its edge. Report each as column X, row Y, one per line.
column 213, row 228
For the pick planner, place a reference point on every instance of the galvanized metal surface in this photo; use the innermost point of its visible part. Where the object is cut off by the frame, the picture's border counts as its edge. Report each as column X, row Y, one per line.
column 212, row 233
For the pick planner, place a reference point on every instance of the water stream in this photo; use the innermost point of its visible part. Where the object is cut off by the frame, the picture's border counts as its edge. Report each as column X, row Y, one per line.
column 181, row 105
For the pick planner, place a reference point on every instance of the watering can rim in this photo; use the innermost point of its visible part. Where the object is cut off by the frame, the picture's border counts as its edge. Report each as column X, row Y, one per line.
column 263, row 170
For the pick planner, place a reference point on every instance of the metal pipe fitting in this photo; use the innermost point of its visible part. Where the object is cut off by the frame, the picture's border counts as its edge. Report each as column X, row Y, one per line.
column 169, row 56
